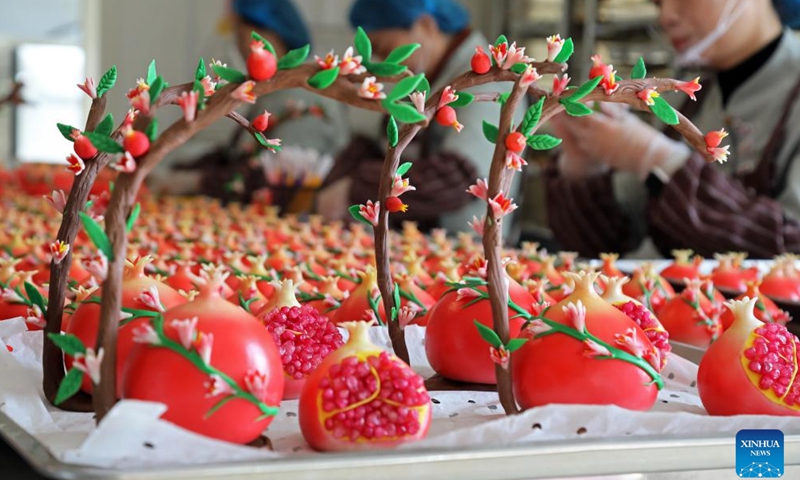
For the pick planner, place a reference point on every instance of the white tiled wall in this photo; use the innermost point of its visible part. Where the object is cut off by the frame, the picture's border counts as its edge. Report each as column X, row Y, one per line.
column 52, row 21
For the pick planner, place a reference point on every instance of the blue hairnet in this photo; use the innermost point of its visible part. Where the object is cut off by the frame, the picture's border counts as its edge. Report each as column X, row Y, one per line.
column 789, row 11
column 380, row 14
column 277, row 16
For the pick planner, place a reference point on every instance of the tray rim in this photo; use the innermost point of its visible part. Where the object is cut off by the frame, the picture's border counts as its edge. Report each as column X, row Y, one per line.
column 652, row 454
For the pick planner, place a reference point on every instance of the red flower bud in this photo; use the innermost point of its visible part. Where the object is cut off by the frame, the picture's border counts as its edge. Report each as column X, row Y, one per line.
column 136, row 143
column 261, row 122
column 446, row 116
column 515, row 142
column 261, row 64
column 394, row 204
column 84, row 148
column 480, row 61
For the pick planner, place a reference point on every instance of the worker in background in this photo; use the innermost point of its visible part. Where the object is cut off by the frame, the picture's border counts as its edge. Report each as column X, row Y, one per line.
column 618, row 179
column 310, row 127
column 446, row 162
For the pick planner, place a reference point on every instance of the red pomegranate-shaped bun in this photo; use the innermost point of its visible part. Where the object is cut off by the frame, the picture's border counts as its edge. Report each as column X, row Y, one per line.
column 139, row 292
column 609, row 268
column 213, row 365
column 361, row 398
column 585, row 351
column 752, row 368
column 693, row 316
column 730, row 274
column 453, row 344
column 682, row 267
column 783, row 280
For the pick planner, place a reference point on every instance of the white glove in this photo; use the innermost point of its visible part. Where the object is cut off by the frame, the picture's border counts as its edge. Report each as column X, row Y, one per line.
column 619, row 139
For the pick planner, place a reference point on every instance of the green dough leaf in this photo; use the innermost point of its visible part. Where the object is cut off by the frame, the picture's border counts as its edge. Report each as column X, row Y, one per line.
column 263, row 141
column 490, row 132
column 391, row 131
column 107, row 81
column 532, row 117
column 403, row 168
column 35, row 296
column 156, row 88
column 355, row 212
column 396, row 295
column 566, row 52
column 519, row 68
column 384, row 69
column 294, row 58
column 106, row 126
column 201, row 94
column 583, row 90
column 425, row 86
column 543, row 142
column 152, row 130
column 515, row 344
column 405, row 87
column 464, row 99
column 363, row 45
column 402, row 52
column 200, row 71
column 664, row 111
column 576, row 109
column 639, row 70
column 151, row 73
column 488, row 334
column 324, row 78
column 229, row 74
column 97, row 235
column 103, row 143
column 68, row 343
column 403, row 112
column 66, row 130
column 267, row 45
column 503, row 98
column 69, row 386
column 134, row 215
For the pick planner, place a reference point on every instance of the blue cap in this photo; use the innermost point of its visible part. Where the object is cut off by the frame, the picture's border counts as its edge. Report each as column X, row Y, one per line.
column 371, row 15
column 789, row 11
column 277, row 16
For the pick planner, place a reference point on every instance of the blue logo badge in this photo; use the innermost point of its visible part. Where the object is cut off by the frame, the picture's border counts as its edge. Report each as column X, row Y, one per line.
column 759, row 453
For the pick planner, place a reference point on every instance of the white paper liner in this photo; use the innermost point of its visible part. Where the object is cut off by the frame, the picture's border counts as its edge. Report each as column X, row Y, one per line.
column 133, row 435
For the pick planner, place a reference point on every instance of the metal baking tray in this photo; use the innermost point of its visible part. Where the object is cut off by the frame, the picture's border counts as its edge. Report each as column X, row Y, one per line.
column 576, row 458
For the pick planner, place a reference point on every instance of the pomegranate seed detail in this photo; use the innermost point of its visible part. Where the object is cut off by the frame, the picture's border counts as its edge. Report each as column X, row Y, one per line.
column 304, row 338
column 771, row 363
column 375, row 398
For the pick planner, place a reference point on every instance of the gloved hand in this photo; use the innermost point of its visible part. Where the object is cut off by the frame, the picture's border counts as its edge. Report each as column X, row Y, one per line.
column 619, row 139
column 575, row 161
